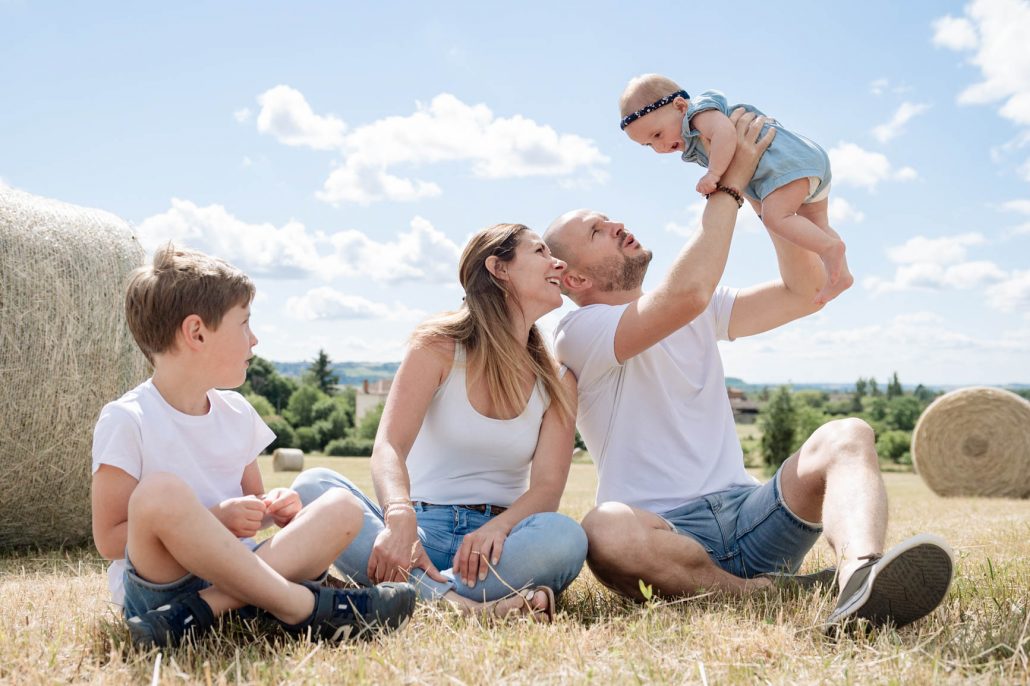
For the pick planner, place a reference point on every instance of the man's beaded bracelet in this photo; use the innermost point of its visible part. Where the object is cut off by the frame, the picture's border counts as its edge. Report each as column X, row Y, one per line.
column 732, row 192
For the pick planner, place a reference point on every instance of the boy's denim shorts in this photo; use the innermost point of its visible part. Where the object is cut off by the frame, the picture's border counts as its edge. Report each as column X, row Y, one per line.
column 142, row 595
column 747, row 530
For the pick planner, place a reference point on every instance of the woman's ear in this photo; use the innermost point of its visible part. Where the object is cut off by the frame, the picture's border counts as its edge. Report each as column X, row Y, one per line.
column 497, row 268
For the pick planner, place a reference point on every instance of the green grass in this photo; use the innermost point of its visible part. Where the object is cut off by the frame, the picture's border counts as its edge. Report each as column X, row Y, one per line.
column 56, row 624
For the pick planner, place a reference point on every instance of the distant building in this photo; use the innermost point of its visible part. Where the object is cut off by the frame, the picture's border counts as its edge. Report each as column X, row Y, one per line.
column 369, row 396
column 744, row 411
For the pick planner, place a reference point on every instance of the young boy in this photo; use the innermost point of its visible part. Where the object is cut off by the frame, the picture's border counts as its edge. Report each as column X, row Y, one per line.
column 789, row 190
column 177, row 494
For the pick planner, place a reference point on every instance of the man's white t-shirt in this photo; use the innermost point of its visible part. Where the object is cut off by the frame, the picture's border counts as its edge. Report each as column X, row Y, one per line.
column 659, row 426
column 141, row 434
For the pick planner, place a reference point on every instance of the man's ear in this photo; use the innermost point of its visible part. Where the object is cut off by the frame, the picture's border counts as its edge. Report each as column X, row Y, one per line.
column 192, row 332
column 573, row 282
column 497, row 268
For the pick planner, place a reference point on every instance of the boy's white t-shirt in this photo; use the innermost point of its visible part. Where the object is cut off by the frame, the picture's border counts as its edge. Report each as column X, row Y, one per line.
column 659, row 426
column 141, row 434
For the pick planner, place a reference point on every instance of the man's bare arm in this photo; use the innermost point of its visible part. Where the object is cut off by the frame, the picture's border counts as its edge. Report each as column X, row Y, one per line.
column 690, row 283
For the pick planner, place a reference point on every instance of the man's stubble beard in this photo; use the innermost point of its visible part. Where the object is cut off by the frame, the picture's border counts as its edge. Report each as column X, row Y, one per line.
column 621, row 273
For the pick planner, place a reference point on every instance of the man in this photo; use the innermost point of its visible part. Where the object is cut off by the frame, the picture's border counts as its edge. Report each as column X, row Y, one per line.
column 676, row 508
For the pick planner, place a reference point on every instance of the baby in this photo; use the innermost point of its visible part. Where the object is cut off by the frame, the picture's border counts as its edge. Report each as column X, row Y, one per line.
column 789, row 190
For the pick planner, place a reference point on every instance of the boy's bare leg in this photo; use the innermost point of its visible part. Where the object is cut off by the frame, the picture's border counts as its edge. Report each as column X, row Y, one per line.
column 835, row 478
column 307, row 546
column 628, row 545
column 170, row 533
column 782, row 214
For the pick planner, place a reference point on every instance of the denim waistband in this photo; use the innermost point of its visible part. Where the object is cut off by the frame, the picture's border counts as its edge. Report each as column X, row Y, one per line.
column 484, row 508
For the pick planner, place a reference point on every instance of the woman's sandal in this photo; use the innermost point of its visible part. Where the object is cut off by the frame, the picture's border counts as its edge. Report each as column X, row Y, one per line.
column 543, row 615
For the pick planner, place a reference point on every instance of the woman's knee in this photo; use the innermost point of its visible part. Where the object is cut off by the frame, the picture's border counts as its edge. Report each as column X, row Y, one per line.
column 564, row 537
column 312, row 483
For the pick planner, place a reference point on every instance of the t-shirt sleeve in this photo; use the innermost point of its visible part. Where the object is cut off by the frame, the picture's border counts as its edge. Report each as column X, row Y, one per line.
column 585, row 341
column 117, row 441
column 721, row 308
column 263, row 436
column 707, row 100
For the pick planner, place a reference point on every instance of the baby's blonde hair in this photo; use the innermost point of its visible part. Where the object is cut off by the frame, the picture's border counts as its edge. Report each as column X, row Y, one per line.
column 642, row 90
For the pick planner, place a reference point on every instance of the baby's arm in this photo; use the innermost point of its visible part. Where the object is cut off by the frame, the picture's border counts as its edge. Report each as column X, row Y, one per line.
column 722, row 136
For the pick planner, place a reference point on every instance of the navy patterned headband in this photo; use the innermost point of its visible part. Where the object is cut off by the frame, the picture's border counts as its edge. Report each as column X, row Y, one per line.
column 648, row 109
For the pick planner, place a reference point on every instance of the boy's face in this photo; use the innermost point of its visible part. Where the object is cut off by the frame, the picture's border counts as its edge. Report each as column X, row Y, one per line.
column 661, row 130
column 229, row 347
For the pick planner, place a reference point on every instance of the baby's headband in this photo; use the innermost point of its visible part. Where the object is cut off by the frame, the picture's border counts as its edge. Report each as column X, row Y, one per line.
column 648, row 109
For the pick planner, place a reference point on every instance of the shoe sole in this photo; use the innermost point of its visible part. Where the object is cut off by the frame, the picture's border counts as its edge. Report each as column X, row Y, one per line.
column 906, row 584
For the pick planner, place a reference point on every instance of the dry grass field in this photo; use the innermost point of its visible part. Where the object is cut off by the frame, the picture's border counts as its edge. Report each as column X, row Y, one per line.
column 56, row 626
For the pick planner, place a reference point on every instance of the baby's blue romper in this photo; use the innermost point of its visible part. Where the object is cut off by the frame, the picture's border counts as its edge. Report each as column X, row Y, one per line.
column 790, row 157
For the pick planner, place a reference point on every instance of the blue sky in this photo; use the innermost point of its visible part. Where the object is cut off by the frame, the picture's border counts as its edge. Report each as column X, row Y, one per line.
column 341, row 155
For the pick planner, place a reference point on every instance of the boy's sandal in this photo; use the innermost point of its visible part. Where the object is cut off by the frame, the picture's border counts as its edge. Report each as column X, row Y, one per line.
column 169, row 625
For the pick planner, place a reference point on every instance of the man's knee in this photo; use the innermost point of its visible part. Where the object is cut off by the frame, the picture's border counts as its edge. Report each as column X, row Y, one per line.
column 844, row 440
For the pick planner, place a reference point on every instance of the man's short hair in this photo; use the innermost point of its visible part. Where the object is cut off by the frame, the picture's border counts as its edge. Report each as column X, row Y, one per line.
column 180, row 282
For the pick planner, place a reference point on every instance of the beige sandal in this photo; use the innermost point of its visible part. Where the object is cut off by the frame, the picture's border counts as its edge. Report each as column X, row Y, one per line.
column 544, row 615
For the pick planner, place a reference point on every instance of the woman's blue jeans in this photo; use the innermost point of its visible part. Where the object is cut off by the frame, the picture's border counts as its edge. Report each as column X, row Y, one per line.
column 544, row 549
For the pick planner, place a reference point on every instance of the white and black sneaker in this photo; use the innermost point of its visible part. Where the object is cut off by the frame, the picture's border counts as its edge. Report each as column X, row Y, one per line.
column 903, row 585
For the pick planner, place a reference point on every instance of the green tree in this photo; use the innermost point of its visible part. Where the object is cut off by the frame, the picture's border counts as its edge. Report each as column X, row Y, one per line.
column 811, row 398
column 265, row 380
column 285, row 437
column 321, row 373
column 894, row 445
column 260, row 404
column 369, row 424
column 874, row 389
column 923, row 394
column 807, row 420
column 861, row 387
column 779, row 425
column 300, row 409
column 894, row 389
column 903, row 412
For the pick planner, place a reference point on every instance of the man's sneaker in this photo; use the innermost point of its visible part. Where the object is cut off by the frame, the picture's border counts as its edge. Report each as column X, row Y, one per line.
column 822, row 580
column 168, row 625
column 343, row 613
column 903, row 585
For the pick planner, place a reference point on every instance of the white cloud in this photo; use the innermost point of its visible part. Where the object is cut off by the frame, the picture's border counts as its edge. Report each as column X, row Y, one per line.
column 291, row 251
column 1012, row 294
column 954, row 33
column 286, row 114
column 424, row 254
column 843, row 212
column 944, row 250
column 448, row 130
column 905, row 112
column 878, row 86
column 258, row 249
column 242, row 115
column 936, row 264
column 1021, row 206
column 328, row 303
column 852, row 165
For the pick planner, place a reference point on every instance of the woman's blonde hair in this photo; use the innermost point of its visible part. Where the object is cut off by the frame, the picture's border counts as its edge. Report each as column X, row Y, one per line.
column 483, row 325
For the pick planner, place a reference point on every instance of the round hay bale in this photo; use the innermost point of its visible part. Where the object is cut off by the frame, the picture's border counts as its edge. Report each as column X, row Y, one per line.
column 975, row 441
column 65, row 350
column 288, row 460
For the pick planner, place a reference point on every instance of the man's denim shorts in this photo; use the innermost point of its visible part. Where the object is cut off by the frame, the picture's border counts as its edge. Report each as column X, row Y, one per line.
column 747, row 530
column 142, row 595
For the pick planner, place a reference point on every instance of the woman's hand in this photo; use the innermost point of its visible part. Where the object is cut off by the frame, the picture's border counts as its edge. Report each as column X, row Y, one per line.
column 479, row 550
column 397, row 550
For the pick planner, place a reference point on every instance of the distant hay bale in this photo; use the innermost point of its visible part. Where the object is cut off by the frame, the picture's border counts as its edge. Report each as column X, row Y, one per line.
column 288, row 460
column 64, row 351
column 975, row 441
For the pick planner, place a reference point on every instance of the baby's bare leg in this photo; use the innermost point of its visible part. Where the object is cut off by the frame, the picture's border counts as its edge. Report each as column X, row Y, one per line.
column 818, row 214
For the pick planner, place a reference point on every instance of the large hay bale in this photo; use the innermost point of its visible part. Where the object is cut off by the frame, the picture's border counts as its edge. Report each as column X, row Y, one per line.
column 288, row 460
column 64, row 351
column 975, row 441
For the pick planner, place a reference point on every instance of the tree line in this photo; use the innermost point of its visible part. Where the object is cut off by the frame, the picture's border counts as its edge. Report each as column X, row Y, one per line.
column 312, row 414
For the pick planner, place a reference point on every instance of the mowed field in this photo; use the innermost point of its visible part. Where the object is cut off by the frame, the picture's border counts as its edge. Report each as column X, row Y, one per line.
column 56, row 625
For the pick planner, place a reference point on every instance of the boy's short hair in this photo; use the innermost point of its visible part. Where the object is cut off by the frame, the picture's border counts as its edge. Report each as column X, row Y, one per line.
column 643, row 90
column 180, row 282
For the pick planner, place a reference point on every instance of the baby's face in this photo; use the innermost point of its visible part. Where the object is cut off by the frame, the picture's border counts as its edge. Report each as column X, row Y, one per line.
column 661, row 130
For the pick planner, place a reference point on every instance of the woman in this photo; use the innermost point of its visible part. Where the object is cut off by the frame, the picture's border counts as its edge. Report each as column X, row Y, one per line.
column 474, row 446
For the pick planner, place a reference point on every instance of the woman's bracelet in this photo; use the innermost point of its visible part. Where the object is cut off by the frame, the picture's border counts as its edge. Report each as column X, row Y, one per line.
column 732, row 192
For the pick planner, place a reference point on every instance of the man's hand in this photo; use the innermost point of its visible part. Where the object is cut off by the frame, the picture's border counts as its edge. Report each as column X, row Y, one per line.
column 707, row 184
column 749, row 148
column 241, row 516
column 478, row 551
column 282, row 505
